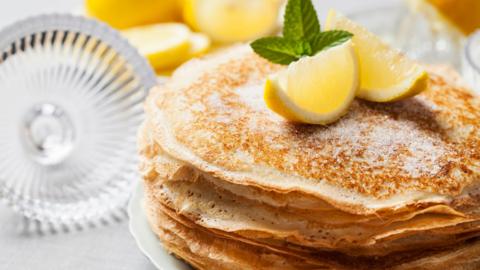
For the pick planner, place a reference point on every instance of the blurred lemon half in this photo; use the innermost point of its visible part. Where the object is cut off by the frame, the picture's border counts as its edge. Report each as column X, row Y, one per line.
column 232, row 20
column 127, row 13
column 385, row 74
column 167, row 45
column 164, row 45
column 317, row 89
column 199, row 45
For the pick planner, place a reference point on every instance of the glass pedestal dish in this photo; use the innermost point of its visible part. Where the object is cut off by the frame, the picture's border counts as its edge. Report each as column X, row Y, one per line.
column 71, row 94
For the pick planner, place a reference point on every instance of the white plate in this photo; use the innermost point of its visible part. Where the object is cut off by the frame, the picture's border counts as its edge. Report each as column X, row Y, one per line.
column 146, row 240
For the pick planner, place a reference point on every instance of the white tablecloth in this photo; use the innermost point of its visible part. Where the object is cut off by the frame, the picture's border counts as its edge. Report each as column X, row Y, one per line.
column 108, row 247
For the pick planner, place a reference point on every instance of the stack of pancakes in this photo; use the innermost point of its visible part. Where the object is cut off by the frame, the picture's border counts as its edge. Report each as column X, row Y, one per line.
column 231, row 185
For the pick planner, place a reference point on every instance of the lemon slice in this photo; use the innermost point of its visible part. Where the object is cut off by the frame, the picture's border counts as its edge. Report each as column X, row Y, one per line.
column 199, row 45
column 164, row 45
column 232, row 20
column 317, row 89
column 385, row 74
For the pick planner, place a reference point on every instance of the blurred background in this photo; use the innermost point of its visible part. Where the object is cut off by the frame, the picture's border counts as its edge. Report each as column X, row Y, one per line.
column 123, row 16
column 14, row 10
column 432, row 31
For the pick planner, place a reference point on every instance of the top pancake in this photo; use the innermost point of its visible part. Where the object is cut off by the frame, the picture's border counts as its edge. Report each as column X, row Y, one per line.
column 211, row 114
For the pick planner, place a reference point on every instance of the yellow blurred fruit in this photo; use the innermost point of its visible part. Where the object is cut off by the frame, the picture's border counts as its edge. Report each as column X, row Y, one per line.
column 163, row 74
column 199, row 44
column 464, row 15
column 164, row 45
column 167, row 45
column 127, row 13
column 228, row 21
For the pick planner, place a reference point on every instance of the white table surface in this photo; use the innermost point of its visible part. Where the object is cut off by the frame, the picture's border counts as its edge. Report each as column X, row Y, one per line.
column 107, row 247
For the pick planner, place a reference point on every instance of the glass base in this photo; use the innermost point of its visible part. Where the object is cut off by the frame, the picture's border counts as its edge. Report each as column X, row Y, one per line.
column 48, row 134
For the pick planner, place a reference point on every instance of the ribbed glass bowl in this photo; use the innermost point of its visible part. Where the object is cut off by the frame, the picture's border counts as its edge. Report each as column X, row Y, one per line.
column 71, row 93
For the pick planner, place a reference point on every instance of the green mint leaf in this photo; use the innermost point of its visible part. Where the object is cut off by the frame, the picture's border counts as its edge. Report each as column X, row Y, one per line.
column 281, row 50
column 301, row 36
column 300, row 20
column 328, row 39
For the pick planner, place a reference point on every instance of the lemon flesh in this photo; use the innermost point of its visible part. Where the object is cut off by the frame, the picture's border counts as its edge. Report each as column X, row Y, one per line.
column 122, row 14
column 199, row 44
column 317, row 89
column 385, row 74
column 164, row 45
column 232, row 20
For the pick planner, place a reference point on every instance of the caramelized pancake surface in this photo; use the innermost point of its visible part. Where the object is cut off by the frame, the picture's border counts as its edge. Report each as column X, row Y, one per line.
column 211, row 115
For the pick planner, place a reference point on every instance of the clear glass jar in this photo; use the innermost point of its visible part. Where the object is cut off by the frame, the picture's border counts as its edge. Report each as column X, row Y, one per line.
column 471, row 62
column 414, row 33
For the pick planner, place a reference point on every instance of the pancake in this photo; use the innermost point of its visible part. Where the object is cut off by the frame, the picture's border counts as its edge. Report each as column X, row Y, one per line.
column 188, row 193
column 203, row 250
column 378, row 157
column 230, row 185
column 211, row 208
column 160, row 164
column 210, row 252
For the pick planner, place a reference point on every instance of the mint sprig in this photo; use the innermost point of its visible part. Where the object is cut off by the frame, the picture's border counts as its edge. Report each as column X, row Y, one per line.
column 302, row 36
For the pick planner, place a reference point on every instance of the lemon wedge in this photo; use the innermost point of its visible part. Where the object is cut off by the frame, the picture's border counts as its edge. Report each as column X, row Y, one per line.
column 164, row 45
column 232, row 20
column 385, row 74
column 317, row 89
